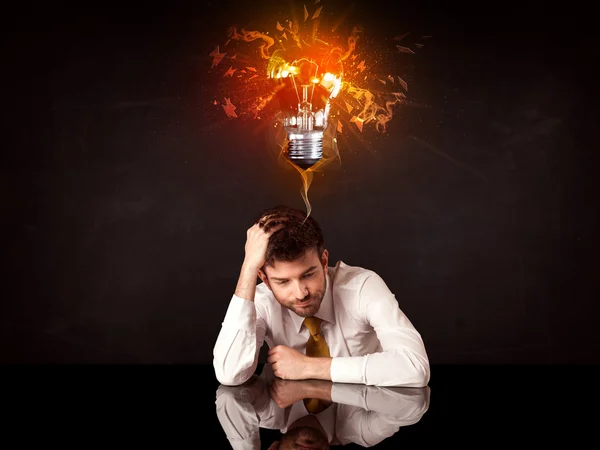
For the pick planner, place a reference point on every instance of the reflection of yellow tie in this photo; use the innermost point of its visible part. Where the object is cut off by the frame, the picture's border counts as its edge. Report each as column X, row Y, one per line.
column 315, row 346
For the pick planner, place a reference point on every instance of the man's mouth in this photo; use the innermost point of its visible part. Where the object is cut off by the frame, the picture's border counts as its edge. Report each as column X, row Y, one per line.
column 305, row 302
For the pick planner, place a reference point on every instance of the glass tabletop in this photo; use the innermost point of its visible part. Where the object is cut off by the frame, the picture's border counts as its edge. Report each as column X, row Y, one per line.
column 175, row 406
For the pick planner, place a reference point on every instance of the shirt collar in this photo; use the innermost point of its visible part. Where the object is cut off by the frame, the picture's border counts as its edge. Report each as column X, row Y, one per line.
column 325, row 311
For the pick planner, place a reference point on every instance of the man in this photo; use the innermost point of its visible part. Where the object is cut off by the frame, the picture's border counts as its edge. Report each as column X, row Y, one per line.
column 340, row 323
column 363, row 415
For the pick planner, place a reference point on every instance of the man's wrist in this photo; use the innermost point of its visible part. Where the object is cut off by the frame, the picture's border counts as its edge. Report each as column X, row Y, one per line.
column 319, row 368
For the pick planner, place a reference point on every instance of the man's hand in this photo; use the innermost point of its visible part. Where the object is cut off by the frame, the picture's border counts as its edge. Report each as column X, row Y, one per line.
column 285, row 392
column 257, row 240
column 288, row 363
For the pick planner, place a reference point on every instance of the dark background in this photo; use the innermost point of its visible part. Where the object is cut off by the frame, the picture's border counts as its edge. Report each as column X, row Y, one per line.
column 125, row 198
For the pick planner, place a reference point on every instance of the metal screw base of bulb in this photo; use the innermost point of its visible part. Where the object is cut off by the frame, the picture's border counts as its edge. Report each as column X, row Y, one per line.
column 305, row 148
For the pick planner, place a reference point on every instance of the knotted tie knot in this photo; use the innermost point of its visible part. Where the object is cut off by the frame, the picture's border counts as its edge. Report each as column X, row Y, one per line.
column 314, row 326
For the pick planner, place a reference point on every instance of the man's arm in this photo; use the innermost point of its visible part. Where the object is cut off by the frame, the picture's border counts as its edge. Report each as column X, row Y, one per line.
column 242, row 334
column 403, row 361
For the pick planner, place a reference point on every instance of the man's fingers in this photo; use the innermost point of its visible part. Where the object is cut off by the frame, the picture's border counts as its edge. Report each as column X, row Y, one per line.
column 274, row 349
column 272, row 230
column 273, row 225
column 265, row 219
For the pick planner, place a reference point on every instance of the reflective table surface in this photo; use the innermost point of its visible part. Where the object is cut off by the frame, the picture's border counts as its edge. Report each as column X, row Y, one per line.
column 176, row 406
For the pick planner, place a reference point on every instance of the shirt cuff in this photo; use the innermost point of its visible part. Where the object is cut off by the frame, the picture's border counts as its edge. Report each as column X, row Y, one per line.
column 240, row 312
column 348, row 369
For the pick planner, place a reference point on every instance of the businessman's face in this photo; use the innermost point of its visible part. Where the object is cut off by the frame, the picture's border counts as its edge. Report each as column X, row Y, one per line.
column 299, row 285
column 304, row 438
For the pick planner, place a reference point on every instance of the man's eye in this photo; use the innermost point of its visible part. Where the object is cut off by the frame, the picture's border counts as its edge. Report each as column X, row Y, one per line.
column 282, row 282
column 309, row 275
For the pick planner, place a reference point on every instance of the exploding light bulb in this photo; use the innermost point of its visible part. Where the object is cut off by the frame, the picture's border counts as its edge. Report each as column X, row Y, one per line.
column 307, row 79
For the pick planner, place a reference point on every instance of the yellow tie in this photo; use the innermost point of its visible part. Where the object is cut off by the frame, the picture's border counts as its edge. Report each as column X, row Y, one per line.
column 315, row 346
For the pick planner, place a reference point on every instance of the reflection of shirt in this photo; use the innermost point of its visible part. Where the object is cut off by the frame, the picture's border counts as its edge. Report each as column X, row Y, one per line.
column 371, row 340
column 360, row 414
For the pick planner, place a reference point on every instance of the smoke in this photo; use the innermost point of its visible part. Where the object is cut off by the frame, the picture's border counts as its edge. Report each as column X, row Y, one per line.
column 250, row 36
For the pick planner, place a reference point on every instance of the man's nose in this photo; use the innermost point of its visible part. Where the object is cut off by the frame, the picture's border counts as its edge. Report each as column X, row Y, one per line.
column 301, row 291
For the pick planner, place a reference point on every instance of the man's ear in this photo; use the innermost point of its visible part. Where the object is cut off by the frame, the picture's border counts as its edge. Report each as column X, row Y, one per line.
column 325, row 261
column 263, row 276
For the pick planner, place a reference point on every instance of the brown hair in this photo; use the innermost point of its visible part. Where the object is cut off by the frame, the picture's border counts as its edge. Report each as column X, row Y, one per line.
column 299, row 235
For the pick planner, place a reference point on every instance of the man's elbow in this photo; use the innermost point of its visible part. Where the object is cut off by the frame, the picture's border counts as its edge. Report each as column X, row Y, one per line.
column 421, row 375
column 417, row 375
column 231, row 379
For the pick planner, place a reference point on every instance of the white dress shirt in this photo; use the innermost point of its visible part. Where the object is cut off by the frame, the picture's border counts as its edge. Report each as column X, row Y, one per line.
column 370, row 339
column 364, row 415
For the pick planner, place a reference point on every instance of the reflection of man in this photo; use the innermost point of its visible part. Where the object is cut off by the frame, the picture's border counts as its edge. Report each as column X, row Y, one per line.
column 340, row 323
column 364, row 415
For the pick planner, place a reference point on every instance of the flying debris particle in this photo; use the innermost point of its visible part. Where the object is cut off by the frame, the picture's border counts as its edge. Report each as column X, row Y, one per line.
column 404, row 49
column 305, row 13
column 279, row 27
column 284, row 35
column 230, row 72
column 317, row 12
column 243, row 71
column 358, row 122
column 227, row 42
column 233, row 57
column 349, row 107
column 229, row 108
column 425, row 37
column 419, row 45
column 391, row 78
column 402, row 36
column 382, row 81
column 403, row 83
column 215, row 102
column 361, row 66
column 253, row 76
column 216, row 56
column 339, row 126
column 354, row 57
column 251, row 69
